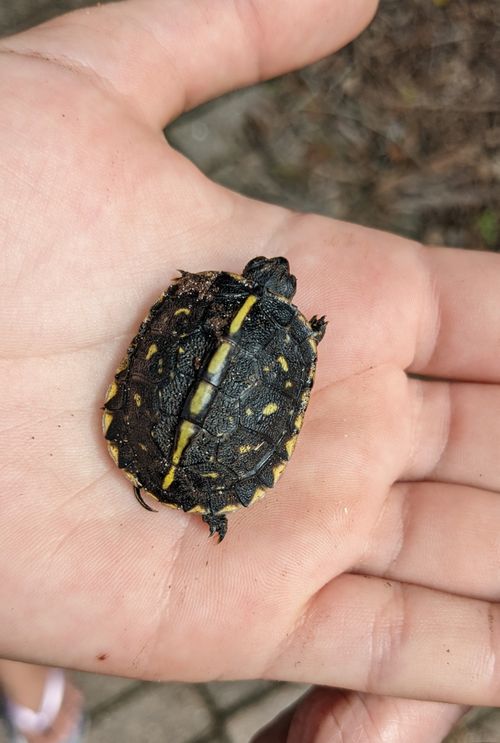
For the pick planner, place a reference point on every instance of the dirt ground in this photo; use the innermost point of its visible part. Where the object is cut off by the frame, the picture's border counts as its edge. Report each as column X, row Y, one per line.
column 400, row 130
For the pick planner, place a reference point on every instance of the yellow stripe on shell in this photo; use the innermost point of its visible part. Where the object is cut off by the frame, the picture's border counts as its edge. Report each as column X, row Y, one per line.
column 151, row 351
column 201, row 398
column 213, row 475
column 290, row 446
column 112, row 390
column 186, row 432
column 113, row 452
column 245, row 308
column 123, row 364
column 197, row 509
column 169, row 478
column 182, row 311
column 217, row 361
column 228, row 509
column 258, row 494
column 106, row 421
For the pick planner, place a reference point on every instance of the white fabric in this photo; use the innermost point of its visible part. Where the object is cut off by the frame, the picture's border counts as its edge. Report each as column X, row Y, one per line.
column 28, row 721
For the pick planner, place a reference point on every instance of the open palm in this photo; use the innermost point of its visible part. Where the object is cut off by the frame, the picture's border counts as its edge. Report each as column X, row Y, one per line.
column 373, row 564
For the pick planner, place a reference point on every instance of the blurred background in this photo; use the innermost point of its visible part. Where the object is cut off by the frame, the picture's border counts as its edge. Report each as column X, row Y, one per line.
column 400, row 131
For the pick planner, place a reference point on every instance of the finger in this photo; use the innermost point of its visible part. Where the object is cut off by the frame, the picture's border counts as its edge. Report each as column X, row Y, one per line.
column 440, row 536
column 335, row 716
column 456, row 430
column 466, row 286
column 432, row 311
column 165, row 57
column 390, row 638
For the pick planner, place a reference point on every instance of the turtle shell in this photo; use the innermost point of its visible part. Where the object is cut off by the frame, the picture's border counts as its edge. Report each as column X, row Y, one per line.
column 205, row 409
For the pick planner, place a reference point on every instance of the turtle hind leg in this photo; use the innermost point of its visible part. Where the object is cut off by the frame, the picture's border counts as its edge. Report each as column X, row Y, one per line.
column 318, row 326
column 216, row 523
column 137, row 492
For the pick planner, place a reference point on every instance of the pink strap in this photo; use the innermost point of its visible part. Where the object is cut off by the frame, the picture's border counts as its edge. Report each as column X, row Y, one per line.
column 28, row 721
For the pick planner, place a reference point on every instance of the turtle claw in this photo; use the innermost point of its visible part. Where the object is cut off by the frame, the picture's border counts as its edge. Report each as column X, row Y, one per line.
column 137, row 492
column 216, row 524
column 318, row 326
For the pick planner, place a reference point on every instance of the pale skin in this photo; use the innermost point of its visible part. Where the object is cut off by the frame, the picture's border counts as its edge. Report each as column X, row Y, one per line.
column 373, row 566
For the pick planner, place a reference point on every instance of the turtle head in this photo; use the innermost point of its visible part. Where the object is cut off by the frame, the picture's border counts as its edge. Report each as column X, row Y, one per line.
column 272, row 274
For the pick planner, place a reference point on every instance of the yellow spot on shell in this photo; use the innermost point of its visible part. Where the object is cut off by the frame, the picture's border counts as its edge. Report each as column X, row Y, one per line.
column 270, row 408
column 137, row 399
column 151, row 351
column 217, row 361
column 106, row 421
column 182, row 311
column 290, row 446
column 299, row 420
column 201, row 398
column 267, row 369
column 131, row 477
column 113, row 452
column 168, row 479
column 248, row 411
column 143, row 447
column 228, row 509
column 283, row 363
column 241, row 314
column 259, row 493
column 278, row 471
column 288, row 384
column 181, row 350
column 123, row 364
column 197, row 509
column 112, row 390
column 213, row 475
column 245, row 448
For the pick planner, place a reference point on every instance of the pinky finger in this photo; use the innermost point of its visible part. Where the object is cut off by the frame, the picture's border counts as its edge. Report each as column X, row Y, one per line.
column 335, row 716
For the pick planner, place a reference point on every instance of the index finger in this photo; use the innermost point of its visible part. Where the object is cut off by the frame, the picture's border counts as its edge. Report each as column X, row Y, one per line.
column 389, row 300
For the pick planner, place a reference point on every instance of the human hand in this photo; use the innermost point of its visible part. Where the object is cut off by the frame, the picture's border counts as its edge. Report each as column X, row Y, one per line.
column 373, row 565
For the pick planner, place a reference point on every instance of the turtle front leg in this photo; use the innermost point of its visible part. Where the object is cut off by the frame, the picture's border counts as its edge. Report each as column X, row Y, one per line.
column 216, row 523
column 318, row 326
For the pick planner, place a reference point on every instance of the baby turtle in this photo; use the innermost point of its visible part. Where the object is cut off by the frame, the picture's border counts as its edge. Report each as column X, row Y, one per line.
column 205, row 409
